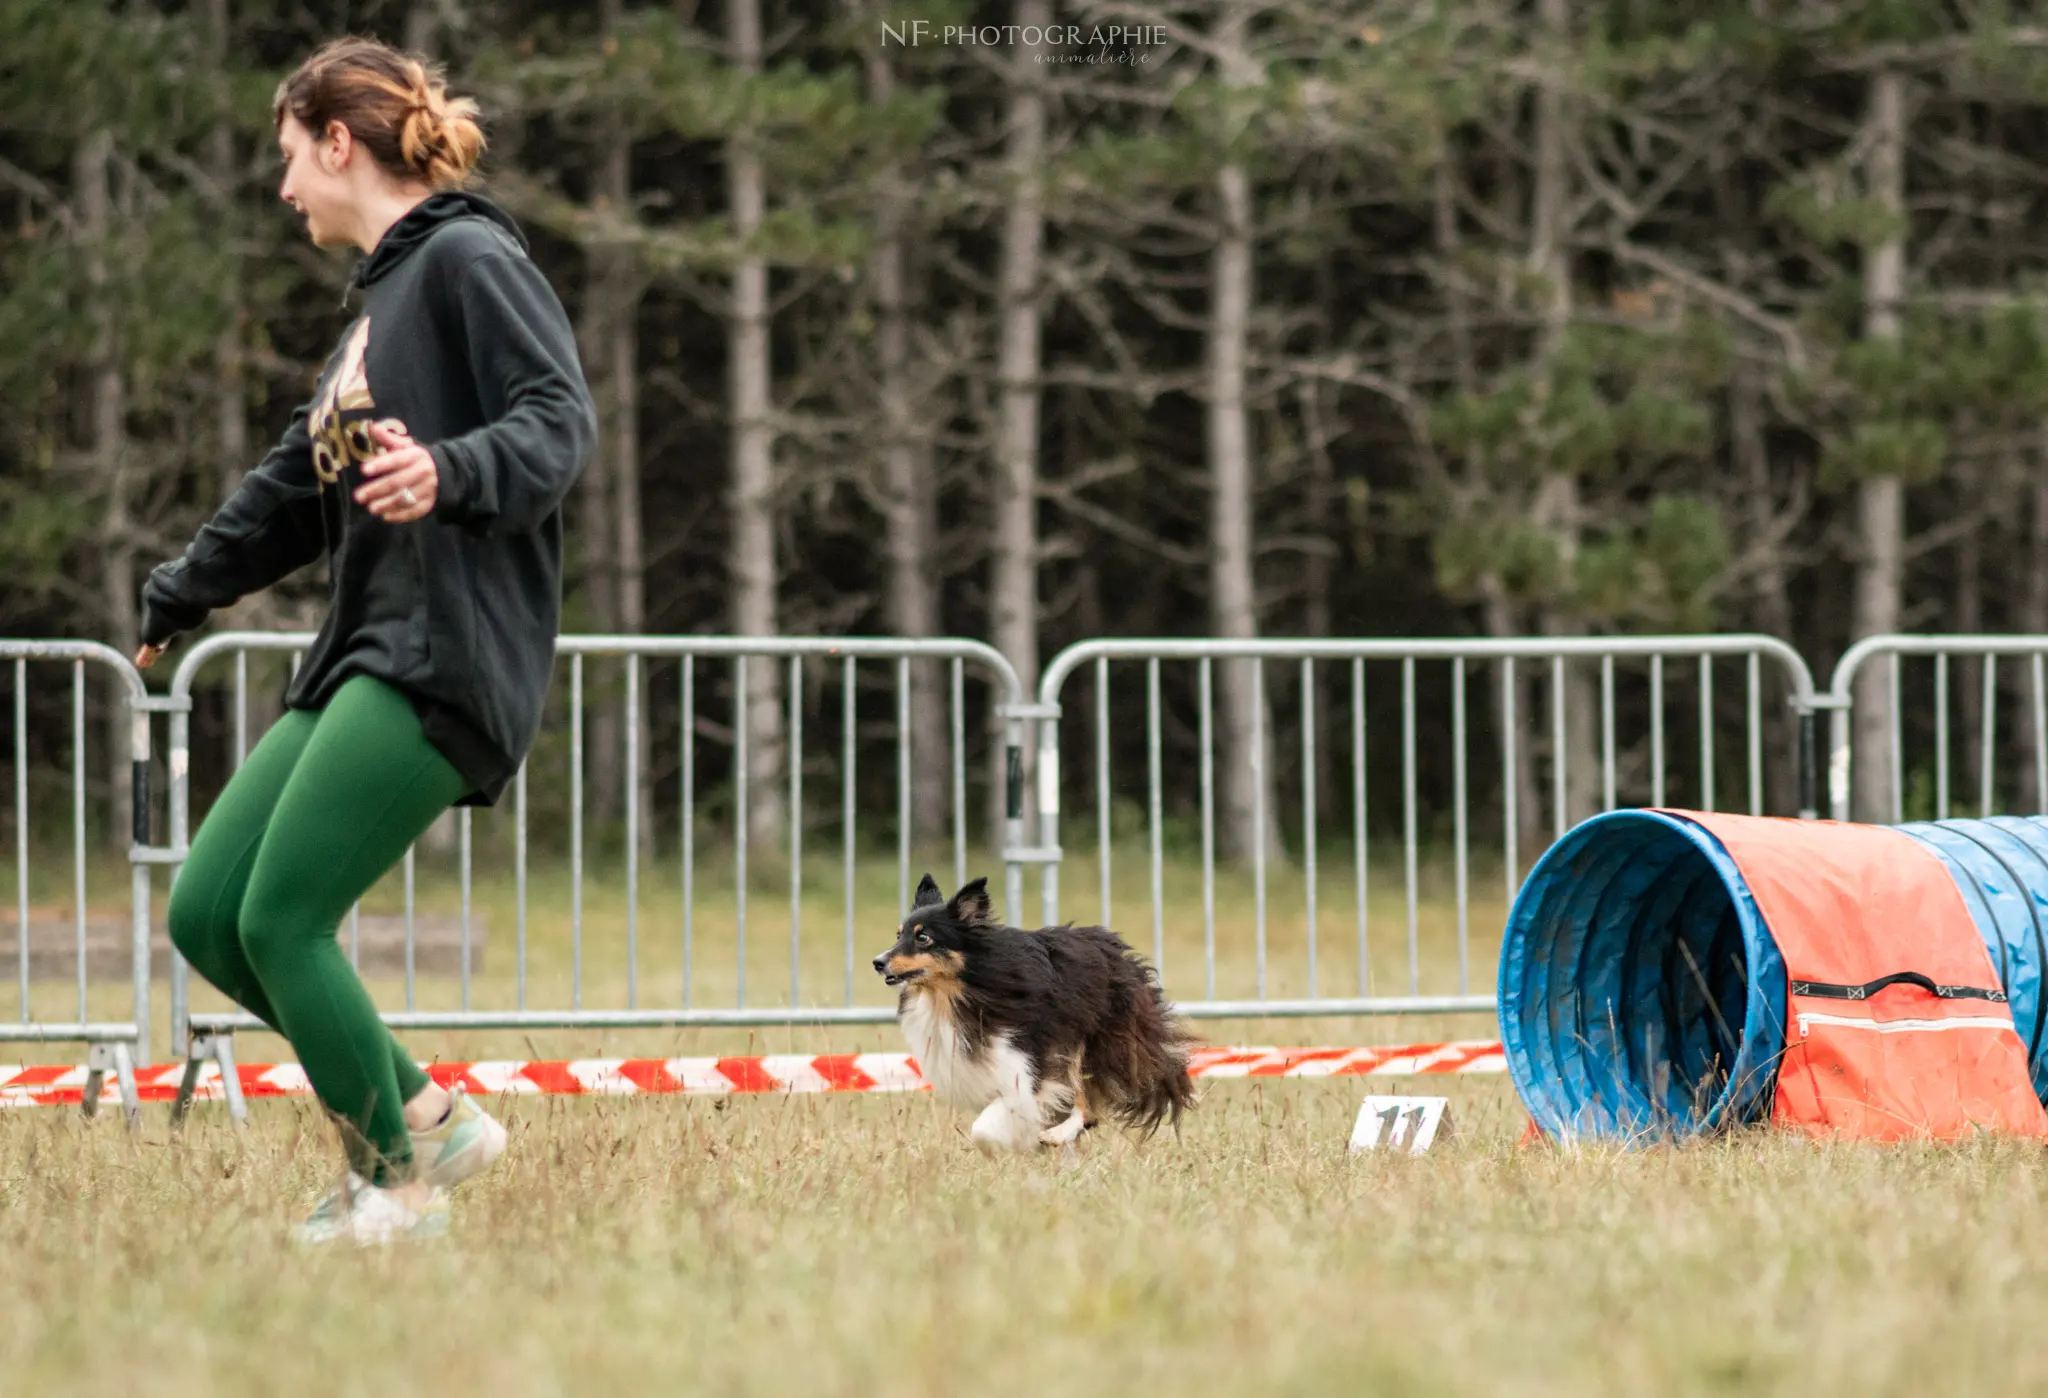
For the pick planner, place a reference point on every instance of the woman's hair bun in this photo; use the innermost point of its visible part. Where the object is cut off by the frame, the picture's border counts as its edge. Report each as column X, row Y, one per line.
column 395, row 105
column 441, row 136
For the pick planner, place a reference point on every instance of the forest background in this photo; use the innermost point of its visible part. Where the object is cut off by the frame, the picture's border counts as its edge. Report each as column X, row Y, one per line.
column 1382, row 318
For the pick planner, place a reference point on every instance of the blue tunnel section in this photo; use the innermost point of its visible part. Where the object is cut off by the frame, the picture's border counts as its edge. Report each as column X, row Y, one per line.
column 1641, row 993
column 2000, row 866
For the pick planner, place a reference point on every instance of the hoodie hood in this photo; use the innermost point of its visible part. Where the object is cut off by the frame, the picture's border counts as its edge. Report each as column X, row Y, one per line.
column 424, row 220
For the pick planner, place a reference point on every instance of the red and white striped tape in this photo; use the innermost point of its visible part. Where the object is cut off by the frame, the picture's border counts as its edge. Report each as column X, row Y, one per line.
column 57, row 1085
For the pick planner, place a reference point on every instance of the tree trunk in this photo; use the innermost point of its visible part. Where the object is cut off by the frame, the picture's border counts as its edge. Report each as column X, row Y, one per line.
column 909, row 495
column 1967, row 671
column 1880, row 500
column 259, row 611
column 753, row 564
column 231, row 422
column 1233, row 598
column 1014, row 582
column 609, row 488
column 1771, row 589
column 1233, row 605
column 107, row 456
column 1527, row 793
column 1520, row 784
column 1557, row 505
column 1318, row 613
column 2034, row 622
column 622, row 427
column 1557, row 508
column 1519, row 775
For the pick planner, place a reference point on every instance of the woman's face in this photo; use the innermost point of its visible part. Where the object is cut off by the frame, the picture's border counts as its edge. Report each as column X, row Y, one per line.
column 316, row 180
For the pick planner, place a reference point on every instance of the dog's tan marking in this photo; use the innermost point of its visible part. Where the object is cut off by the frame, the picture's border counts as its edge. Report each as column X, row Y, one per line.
column 941, row 978
column 909, row 965
column 1080, row 1081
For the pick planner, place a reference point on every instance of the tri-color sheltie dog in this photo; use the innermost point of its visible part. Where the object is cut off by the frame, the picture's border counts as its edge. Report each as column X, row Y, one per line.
column 1041, row 1032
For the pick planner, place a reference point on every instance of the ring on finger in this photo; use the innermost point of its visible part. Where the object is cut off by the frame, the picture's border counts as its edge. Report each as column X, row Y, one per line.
column 409, row 498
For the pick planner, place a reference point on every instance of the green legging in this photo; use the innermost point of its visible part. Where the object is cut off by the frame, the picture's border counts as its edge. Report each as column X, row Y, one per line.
column 325, row 804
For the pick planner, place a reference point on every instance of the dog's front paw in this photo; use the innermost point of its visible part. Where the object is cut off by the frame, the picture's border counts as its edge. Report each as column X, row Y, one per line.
column 1000, row 1127
column 1066, row 1133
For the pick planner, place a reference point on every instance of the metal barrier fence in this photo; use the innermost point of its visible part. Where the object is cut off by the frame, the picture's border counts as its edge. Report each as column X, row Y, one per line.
column 1517, row 738
column 111, row 1043
column 805, row 667
column 2000, row 753
column 1643, row 773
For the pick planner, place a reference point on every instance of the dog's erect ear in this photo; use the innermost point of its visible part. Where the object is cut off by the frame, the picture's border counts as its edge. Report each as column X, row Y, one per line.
column 970, row 906
column 928, row 895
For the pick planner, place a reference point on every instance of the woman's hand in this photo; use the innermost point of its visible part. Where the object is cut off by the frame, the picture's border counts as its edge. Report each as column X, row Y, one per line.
column 403, row 481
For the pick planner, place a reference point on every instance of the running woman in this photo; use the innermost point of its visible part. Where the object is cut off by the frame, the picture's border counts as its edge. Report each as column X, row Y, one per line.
column 430, row 468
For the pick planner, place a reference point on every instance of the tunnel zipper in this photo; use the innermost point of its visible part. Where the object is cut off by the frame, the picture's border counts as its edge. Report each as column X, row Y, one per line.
column 1896, row 1026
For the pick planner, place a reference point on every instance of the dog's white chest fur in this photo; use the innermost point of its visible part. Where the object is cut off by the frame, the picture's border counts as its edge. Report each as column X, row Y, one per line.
column 963, row 1079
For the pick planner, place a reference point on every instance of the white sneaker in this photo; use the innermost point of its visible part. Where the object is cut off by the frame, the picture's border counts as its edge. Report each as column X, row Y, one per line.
column 462, row 1147
column 368, row 1216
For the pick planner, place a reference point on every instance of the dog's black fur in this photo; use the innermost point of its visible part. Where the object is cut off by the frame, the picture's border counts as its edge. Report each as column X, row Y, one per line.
column 1083, row 1011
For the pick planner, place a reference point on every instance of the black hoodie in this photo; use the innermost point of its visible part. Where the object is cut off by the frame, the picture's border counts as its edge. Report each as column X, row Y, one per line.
column 463, row 341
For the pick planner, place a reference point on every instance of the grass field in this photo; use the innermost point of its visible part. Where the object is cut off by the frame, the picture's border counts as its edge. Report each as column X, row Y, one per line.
column 856, row 1245
column 860, row 1246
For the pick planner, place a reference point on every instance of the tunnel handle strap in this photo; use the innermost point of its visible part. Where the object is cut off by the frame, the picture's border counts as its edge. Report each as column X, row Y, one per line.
column 1821, row 990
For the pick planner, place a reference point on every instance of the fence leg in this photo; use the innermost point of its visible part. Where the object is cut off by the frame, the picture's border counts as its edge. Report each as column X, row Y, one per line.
column 102, row 1059
column 223, row 1050
column 187, row 1085
column 97, row 1061
column 124, row 1075
column 1809, row 765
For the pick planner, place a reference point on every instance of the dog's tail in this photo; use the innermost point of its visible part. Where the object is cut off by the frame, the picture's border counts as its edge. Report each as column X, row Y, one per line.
column 1137, row 1064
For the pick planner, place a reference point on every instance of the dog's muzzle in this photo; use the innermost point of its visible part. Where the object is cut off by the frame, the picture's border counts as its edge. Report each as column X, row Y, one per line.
column 882, row 970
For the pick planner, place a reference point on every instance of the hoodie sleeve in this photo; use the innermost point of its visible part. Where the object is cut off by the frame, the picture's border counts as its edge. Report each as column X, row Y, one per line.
column 268, row 529
column 509, row 475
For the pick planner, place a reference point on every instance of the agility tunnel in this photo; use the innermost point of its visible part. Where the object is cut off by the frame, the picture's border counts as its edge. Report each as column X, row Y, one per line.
column 1666, row 974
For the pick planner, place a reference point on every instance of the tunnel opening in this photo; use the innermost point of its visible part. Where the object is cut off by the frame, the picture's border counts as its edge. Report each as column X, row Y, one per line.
column 1641, row 994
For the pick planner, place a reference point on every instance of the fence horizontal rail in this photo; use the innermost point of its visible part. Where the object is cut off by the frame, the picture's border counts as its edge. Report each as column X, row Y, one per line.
column 1238, row 757
column 1337, row 1007
column 129, row 706
column 765, row 1015
column 1872, row 692
column 718, row 687
column 60, row 1032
